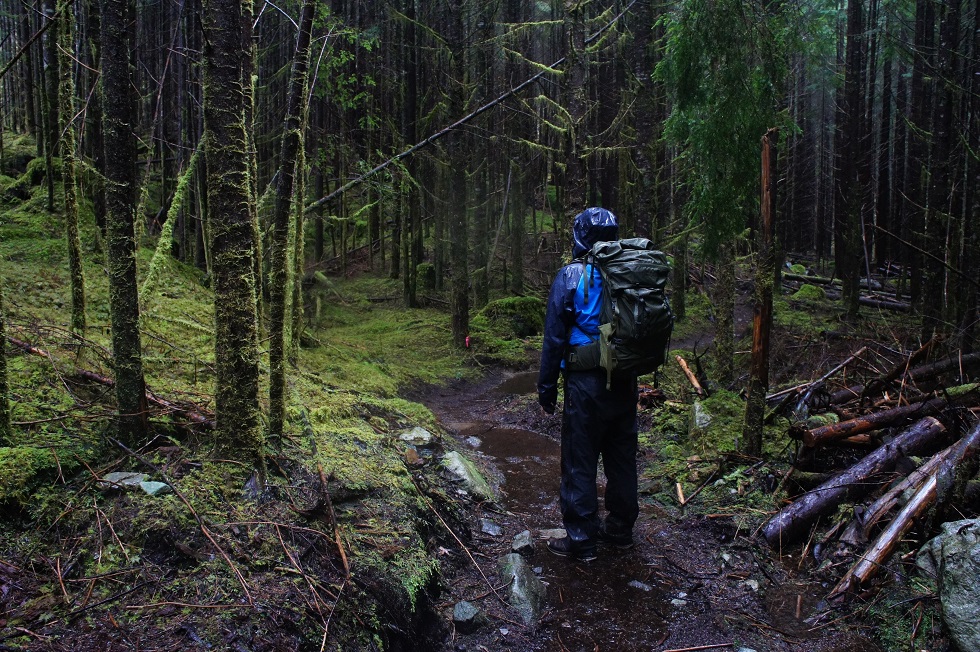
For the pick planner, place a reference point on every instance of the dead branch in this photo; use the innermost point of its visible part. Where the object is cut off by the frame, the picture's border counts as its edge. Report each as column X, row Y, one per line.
column 333, row 521
column 885, row 379
column 796, row 519
column 862, row 524
column 960, row 363
column 883, row 546
column 462, row 545
column 690, row 376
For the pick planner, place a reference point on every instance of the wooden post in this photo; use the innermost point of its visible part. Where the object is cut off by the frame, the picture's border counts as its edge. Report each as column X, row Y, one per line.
column 762, row 314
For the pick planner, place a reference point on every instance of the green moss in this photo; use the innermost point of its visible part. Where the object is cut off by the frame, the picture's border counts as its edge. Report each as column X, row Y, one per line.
column 22, row 468
column 515, row 316
column 809, row 292
column 506, row 328
column 797, row 320
column 425, row 274
column 798, row 269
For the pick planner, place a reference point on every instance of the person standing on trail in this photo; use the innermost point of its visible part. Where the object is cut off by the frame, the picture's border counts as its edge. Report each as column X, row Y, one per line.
column 596, row 420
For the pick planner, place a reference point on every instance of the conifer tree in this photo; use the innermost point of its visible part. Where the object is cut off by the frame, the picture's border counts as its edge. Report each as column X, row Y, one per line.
column 282, row 281
column 119, row 141
column 66, row 104
column 228, row 62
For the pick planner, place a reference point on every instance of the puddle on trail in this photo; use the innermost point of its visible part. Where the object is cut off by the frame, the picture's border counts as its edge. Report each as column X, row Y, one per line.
column 612, row 603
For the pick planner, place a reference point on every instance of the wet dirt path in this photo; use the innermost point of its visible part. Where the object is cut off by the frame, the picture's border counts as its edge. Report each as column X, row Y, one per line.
column 612, row 603
column 690, row 583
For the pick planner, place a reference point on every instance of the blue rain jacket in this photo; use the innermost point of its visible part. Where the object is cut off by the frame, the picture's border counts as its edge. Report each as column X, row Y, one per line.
column 569, row 320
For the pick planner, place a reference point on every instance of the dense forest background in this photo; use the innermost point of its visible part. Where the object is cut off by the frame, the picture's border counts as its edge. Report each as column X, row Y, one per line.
column 443, row 143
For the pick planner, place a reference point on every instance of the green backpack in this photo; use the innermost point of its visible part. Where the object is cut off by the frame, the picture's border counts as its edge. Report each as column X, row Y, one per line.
column 635, row 322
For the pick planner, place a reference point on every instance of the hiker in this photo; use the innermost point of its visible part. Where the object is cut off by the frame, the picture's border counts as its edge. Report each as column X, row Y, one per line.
column 599, row 417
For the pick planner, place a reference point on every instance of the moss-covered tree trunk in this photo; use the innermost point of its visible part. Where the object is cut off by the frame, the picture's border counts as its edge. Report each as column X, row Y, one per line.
column 458, row 236
column 298, row 247
column 66, row 104
column 678, row 281
column 227, row 62
column 517, row 227
column 96, row 182
column 51, row 82
column 4, row 385
column 573, row 89
column 283, row 262
column 119, row 141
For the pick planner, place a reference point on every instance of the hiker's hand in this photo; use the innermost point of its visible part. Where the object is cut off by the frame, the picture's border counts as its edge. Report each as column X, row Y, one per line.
column 547, row 399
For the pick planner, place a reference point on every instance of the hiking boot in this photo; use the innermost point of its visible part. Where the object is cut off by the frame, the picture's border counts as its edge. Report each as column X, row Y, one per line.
column 565, row 547
column 622, row 541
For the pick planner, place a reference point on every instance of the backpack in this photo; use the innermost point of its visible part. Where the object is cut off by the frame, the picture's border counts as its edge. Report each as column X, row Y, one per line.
column 635, row 321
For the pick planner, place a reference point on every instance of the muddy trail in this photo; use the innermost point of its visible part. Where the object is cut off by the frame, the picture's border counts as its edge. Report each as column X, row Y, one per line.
column 691, row 582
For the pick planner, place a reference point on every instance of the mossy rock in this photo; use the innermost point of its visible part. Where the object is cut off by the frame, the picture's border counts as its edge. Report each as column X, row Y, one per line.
column 517, row 316
column 809, row 292
column 798, row 269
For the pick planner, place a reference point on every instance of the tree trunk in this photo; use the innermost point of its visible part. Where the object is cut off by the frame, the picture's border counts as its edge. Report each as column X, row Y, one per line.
column 282, row 280
column 850, row 194
column 4, row 384
column 936, row 236
column 573, row 181
column 66, row 104
column 724, row 292
column 95, row 136
column 755, row 402
column 227, row 58
column 119, row 115
column 458, row 232
column 52, row 79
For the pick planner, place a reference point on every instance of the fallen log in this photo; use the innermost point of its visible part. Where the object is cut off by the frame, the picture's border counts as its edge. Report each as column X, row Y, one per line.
column 867, row 423
column 823, row 280
column 885, row 379
column 846, row 394
column 946, row 460
column 794, row 521
column 885, row 305
column 960, row 363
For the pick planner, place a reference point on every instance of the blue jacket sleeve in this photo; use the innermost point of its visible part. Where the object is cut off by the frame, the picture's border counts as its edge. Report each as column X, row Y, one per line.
column 559, row 318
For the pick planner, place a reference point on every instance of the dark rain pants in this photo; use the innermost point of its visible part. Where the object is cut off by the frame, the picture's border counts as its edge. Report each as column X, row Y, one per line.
column 598, row 422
